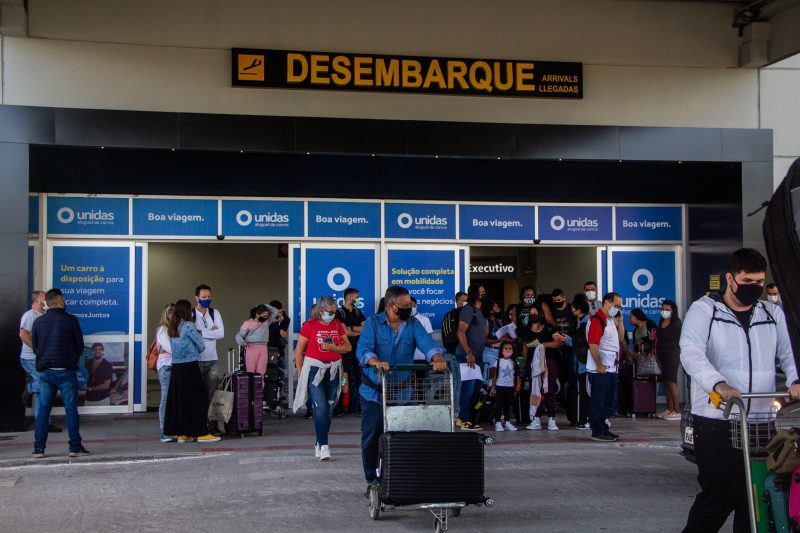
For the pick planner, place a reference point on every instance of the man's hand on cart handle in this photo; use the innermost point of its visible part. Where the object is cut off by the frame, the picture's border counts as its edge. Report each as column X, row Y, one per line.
column 438, row 362
column 794, row 391
column 722, row 393
column 380, row 366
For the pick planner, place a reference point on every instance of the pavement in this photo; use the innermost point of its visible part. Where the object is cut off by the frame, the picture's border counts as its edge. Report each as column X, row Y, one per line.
column 540, row 481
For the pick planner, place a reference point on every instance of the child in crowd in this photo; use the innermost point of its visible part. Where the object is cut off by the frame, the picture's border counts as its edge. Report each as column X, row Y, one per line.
column 504, row 384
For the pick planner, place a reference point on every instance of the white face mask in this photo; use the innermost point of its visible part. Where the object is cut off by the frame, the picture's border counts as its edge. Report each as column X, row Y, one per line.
column 591, row 295
column 773, row 298
column 614, row 311
column 328, row 317
column 666, row 314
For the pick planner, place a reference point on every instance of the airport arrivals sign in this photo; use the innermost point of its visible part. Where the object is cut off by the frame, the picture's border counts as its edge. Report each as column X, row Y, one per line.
column 338, row 71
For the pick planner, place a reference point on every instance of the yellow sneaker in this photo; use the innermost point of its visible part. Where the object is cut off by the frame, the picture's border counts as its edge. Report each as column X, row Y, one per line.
column 209, row 438
column 183, row 438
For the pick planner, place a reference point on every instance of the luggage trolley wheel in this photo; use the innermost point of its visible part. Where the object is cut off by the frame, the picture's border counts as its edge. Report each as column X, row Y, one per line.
column 487, row 440
column 488, row 502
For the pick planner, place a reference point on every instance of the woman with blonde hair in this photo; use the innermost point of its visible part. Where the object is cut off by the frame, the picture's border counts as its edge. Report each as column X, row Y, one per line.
column 164, row 365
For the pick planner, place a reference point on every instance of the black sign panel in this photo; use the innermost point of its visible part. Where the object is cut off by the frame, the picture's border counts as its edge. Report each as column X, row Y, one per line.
column 283, row 69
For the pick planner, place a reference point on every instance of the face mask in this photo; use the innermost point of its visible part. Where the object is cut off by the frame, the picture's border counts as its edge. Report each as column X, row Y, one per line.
column 614, row 311
column 205, row 304
column 560, row 305
column 45, row 307
column 591, row 295
column 507, row 355
column 328, row 317
column 529, row 300
column 666, row 314
column 262, row 319
column 748, row 294
column 414, row 311
column 404, row 314
column 773, row 298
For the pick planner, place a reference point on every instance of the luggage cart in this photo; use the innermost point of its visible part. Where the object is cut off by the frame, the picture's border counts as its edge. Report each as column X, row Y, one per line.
column 751, row 432
column 423, row 402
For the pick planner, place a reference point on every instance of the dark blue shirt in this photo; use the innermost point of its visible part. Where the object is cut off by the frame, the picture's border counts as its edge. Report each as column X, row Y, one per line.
column 57, row 340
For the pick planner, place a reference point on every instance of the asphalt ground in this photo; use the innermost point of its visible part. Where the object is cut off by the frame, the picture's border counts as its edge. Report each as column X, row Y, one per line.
column 539, row 480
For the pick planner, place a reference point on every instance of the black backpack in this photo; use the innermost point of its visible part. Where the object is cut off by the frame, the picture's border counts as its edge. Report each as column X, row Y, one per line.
column 580, row 345
column 450, row 328
column 782, row 241
column 210, row 312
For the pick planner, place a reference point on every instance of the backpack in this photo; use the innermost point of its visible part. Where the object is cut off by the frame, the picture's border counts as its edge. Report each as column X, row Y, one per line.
column 580, row 345
column 450, row 328
column 210, row 312
column 782, row 242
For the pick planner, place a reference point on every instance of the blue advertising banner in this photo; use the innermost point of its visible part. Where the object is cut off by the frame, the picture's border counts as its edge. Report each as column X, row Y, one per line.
column 330, row 271
column 361, row 220
column 575, row 223
column 73, row 215
column 649, row 224
column 297, row 288
column 174, row 217
column 419, row 221
column 137, row 292
column 33, row 215
column 430, row 276
column 644, row 280
column 137, row 372
column 497, row 222
column 262, row 218
column 95, row 281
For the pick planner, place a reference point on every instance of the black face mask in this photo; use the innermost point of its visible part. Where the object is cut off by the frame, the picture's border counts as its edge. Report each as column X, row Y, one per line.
column 262, row 319
column 748, row 294
column 403, row 314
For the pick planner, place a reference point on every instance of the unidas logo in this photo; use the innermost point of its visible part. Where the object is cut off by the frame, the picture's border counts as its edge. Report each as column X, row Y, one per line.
column 406, row 221
column 643, row 280
column 262, row 220
column 558, row 223
column 97, row 217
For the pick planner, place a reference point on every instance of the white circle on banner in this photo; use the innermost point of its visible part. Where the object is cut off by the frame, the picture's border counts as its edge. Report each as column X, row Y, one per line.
column 338, row 271
column 647, row 285
column 557, row 222
column 405, row 220
column 65, row 215
column 244, row 217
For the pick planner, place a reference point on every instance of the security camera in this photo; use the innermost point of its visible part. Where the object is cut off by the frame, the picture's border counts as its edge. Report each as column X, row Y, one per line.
column 221, row 237
column 537, row 241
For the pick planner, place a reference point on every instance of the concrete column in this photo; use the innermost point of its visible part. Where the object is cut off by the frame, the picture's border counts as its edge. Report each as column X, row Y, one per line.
column 756, row 189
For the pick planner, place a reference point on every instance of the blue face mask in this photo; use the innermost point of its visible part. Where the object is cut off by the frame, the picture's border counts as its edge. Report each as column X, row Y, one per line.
column 205, row 304
column 328, row 317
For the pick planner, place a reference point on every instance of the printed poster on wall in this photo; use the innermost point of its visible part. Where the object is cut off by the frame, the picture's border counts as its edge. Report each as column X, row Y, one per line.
column 174, row 217
column 419, row 221
column 497, row 222
column 643, row 280
column 78, row 215
column 575, row 223
column 95, row 281
column 430, row 277
column 329, row 271
column 649, row 223
column 360, row 220
column 262, row 218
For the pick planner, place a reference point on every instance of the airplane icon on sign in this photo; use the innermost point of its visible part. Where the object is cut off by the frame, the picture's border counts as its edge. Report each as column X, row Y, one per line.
column 256, row 63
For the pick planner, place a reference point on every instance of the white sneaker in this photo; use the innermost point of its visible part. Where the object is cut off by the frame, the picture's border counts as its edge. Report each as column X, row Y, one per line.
column 551, row 425
column 510, row 426
column 324, row 452
column 583, row 426
column 536, row 424
column 608, row 423
column 498, row 426
column 316, row 451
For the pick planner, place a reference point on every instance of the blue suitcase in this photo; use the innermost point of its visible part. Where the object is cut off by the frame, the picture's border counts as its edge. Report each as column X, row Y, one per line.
column 776, row 498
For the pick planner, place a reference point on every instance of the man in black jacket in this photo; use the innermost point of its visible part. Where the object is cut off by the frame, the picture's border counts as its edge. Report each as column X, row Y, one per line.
column 57, row 341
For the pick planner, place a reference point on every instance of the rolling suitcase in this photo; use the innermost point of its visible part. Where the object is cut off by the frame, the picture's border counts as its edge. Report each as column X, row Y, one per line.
column 273, row 390
column 643, row 396
column 484, row 407
column 776, row 499
column 522, row 403
column 248, row 397
column 412, row 472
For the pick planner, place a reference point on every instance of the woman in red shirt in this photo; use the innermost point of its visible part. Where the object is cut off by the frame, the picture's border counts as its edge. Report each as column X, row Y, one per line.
column 318, row 360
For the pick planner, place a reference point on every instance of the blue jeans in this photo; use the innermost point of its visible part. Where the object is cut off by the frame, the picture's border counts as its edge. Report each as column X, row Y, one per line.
column 163, row 378
column 29, row 366
column 371, row 431
column 50, row 382
column 209, row 370
column 467, row 391
column 600, row 401
column 323, row 397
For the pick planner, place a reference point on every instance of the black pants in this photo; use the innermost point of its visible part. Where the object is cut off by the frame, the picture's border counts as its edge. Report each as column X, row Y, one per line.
column 502, row 404
column 721, row 476
column 582, row 408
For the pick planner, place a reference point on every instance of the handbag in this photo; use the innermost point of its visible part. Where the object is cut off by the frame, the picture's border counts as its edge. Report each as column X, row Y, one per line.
column 152, row 355
column 647, row 366
column 221, row 406
column 784, row 452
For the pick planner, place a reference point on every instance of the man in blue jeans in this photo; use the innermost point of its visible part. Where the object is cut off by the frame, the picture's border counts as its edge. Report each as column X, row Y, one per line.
column 387, row 339
column 604, row 335
column 57, row 341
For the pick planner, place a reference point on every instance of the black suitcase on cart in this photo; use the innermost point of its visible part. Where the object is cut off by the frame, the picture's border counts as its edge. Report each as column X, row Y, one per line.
column 431, row 467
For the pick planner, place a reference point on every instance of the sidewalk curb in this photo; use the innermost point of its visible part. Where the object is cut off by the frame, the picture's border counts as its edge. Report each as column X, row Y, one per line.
column 62, row 460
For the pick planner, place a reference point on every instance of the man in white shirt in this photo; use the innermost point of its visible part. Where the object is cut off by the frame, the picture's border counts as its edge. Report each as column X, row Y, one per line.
column 26, row 356
column 209, row 323
column 602, row 364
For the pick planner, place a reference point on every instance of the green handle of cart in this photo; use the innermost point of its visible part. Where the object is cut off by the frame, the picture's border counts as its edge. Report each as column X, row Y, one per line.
column 410, row 368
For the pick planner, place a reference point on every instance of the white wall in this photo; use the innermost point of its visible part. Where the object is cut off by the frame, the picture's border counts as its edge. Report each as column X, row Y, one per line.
column 780, row 111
